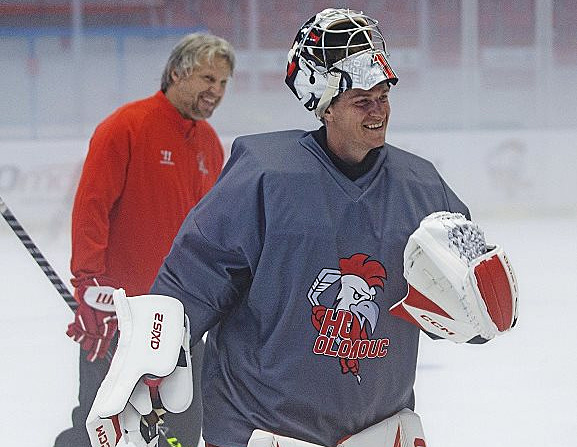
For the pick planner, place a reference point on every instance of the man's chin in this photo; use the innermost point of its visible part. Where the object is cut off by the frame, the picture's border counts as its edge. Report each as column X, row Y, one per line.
column 378, row 142
column 201, row 115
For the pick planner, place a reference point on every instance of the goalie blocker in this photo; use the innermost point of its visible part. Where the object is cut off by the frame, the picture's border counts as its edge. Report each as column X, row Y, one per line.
column 459, row 288
column 150, row 372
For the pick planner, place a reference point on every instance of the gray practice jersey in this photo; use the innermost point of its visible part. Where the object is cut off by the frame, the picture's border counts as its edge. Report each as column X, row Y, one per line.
column 291, row 267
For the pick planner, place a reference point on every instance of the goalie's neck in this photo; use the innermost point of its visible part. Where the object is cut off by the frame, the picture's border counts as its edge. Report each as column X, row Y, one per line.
column 352, row 170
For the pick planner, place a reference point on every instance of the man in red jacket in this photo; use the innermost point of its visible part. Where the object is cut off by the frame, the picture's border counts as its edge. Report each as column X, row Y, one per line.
column 148, row 163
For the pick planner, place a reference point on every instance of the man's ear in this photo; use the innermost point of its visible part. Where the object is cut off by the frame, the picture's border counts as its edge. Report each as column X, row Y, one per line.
column 174, row 76
column 328, row 116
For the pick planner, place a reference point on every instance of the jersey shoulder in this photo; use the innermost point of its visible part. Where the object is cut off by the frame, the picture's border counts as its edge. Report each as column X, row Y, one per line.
column 270, row 151
column 408, row 159
column 407, row 164
column 409, row 168
column 263, row 142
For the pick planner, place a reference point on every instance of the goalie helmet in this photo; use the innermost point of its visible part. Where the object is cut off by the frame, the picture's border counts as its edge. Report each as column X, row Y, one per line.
column 334, row 51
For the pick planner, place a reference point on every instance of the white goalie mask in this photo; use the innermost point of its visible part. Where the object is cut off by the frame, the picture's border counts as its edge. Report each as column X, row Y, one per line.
column 334, row 51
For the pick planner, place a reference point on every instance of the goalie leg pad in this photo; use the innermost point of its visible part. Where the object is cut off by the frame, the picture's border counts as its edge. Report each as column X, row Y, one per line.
column 122, row 430
column 261, row 438
column 402, row 429
column 103, row 432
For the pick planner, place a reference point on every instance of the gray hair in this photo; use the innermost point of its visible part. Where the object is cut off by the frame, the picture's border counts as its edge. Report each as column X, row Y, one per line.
column 191, row 51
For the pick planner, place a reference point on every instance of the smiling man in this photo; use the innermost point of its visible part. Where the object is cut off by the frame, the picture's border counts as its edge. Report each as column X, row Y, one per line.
column 196, row 90
column 356, row 122
column 147, row 165
column 292, row 261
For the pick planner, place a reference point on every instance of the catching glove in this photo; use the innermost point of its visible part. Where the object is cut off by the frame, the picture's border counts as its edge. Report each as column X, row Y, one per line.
column 95, row 322
column 460, row 288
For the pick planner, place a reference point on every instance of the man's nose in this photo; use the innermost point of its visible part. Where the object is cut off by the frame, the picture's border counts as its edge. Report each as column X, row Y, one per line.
column 378, row 108
column 216, row 89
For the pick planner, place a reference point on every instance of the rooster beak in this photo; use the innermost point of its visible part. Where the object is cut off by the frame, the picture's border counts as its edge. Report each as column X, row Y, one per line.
column 366, row 311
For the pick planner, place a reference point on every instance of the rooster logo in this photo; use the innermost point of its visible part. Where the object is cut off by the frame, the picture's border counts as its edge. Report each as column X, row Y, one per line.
column 345, row 327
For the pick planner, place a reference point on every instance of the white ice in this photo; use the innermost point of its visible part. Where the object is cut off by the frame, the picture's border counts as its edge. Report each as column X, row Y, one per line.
column 517, row 391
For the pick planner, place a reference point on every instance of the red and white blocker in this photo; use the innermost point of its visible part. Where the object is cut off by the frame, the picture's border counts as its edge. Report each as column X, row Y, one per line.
column 459, row 287
column 150, row 373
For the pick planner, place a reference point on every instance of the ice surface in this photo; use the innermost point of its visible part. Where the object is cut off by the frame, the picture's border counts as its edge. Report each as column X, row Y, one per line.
column 517, row 391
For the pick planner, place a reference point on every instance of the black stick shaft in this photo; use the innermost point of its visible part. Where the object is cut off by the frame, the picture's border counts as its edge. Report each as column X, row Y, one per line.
column 37, row 255
column 40, row 259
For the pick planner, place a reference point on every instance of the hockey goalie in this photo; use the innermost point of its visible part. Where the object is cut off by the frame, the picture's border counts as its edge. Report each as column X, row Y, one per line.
column 297, row 265
column 459, row 288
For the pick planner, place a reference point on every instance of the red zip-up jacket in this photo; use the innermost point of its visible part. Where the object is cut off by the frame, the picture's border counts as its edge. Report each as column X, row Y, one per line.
column 146, row 167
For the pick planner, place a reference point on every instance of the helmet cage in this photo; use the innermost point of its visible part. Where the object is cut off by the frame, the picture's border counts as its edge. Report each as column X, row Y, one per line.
column 324, row 51
column 327, row 48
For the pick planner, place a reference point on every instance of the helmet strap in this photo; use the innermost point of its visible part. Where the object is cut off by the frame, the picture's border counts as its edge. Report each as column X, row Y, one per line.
column 333, row 82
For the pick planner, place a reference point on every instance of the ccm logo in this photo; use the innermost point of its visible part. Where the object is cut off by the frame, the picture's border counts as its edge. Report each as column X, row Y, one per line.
column 436, row 324
column 102, row 438
column 156, row 331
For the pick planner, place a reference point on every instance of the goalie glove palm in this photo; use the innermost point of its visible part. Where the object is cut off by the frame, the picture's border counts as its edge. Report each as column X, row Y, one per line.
column 459, row 288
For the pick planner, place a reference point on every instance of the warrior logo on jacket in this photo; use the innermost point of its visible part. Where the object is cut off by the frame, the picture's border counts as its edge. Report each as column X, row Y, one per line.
column 344, row 328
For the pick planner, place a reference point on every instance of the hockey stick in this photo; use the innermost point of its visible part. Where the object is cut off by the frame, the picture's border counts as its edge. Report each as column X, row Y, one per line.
column 40, row 260
column 54, row 279
column 37, row 255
